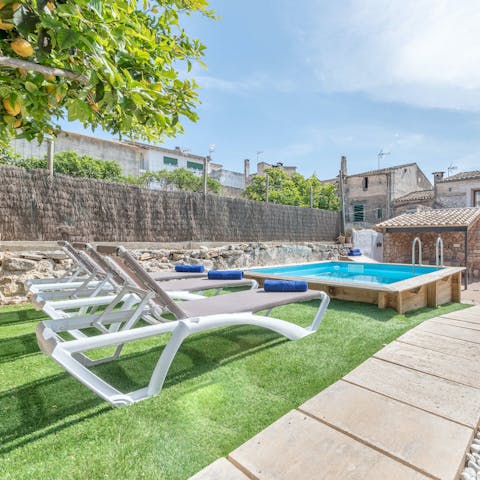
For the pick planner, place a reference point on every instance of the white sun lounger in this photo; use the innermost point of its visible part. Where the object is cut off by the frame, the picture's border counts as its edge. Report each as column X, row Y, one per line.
column 192, row 317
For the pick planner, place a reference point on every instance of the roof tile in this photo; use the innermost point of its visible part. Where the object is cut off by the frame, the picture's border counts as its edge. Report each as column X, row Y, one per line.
column 442, row 217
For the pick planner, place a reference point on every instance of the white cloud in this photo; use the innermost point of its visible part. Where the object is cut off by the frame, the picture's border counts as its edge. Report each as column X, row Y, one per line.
column 421, row 52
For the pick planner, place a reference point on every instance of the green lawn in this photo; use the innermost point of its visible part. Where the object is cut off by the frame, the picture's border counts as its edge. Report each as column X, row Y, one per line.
column 223, row 387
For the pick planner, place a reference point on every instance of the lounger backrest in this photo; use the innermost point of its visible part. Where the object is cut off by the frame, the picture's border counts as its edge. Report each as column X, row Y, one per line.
column 75, row 256
column 138, row 274
column 100, row 261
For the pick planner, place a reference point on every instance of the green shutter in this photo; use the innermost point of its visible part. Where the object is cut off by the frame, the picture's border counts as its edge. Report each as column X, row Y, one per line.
column 170, row 161
column 195, row 165
column 358, row 213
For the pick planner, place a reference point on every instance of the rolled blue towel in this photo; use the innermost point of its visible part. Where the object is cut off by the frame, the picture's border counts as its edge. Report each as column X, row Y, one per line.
column 285, row 286
column 225, row 275
column 189, row 268
column 354, row 252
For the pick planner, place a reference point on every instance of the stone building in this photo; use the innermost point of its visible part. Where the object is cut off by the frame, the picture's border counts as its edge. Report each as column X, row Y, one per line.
column 369, row 197
column 459, row 229
column 460, row 190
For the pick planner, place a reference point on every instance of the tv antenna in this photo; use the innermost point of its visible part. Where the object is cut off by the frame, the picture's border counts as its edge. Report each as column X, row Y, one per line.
column 451, row 168
column 380, row 156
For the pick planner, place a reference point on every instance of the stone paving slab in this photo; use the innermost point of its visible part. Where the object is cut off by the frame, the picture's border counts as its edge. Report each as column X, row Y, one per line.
column 435, row 363
column 445, row 398
column 408, row 412
column 298, row 447
column 221, row 469
column 456, row 323
column 469, row 315
column 400, row 430
column 440, row 343
column 451, row 331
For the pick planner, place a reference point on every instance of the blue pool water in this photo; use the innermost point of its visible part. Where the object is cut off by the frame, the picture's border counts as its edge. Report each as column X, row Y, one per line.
column 379, row 273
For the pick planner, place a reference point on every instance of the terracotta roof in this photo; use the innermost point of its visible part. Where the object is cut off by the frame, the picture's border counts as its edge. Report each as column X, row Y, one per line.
column 462, row 176
column 415, row 196
column 442, row 217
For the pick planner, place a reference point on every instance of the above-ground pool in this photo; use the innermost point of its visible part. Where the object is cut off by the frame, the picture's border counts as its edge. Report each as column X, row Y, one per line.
column 399, row 286
column 382, row 273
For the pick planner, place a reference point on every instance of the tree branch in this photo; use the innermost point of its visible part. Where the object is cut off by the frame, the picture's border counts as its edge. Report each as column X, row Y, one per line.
column 58, row 72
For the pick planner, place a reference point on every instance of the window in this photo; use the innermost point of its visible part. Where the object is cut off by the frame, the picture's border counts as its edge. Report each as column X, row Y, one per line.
column 195, row 165
column 170, row 161
column 365, row 183
column 358, row 213
column 476, row 198
column 379, row 213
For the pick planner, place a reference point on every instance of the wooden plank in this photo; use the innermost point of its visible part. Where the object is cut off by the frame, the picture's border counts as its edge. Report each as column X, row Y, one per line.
column 220, row 469
column 444, row 288
column 457, row 287
column 432, row 295
column 382, row 299
column 445, row 366
column 414, row 299
column 432, row 341
column 431, row 444
column 445, row 398
column 299, row 447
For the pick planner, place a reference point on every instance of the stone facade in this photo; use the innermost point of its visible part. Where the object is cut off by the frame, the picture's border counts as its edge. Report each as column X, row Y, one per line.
column 398, row 248
column 458, row 190
column 17, row 267
column 369, row 196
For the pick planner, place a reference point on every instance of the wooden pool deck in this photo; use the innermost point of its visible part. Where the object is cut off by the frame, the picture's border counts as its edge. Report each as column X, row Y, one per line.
column 409, row 412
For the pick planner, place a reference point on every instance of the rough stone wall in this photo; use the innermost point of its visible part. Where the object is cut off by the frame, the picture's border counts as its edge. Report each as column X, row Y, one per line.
column 36, row 207
column 17, row 267
column 398, row 249
column 455, row 194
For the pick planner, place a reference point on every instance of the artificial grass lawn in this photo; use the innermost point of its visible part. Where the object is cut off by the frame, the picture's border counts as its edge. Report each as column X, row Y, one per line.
column 223, row 387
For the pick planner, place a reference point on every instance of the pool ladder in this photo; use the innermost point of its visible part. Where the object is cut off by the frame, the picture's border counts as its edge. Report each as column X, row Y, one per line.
column 439, row 252
column 415, row 241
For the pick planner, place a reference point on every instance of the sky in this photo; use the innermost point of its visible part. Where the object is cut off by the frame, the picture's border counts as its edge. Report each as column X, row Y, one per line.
column 309, row 81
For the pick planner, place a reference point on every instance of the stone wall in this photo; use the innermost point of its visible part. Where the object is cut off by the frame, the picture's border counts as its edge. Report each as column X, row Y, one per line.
column 455, row 194
column 18, row 266
column 36, row 207
column 398, row 249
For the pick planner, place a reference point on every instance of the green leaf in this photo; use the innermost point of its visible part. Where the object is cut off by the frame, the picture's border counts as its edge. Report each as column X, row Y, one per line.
column 31, row 87
column 25, row 20
column 67, row 38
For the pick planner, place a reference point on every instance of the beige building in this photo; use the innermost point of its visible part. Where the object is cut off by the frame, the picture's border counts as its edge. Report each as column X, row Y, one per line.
column 369, row 197
column 460, row 190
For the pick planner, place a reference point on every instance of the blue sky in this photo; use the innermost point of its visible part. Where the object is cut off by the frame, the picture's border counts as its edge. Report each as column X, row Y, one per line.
column 306, row 82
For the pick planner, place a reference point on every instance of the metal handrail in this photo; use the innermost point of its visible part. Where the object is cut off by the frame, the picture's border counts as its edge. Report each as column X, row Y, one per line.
column 439, row 249
column 415, row 241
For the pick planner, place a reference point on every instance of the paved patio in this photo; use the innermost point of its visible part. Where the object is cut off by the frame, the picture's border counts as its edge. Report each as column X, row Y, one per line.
column 408, row 412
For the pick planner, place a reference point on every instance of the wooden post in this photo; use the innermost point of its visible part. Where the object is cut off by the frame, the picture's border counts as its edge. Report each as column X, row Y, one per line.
column 205, row 174
column 50, row 153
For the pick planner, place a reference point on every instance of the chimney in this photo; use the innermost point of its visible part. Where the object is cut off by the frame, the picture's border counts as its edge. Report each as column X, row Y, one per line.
column 246, row 170
column 437, row 177
column 343, row 166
